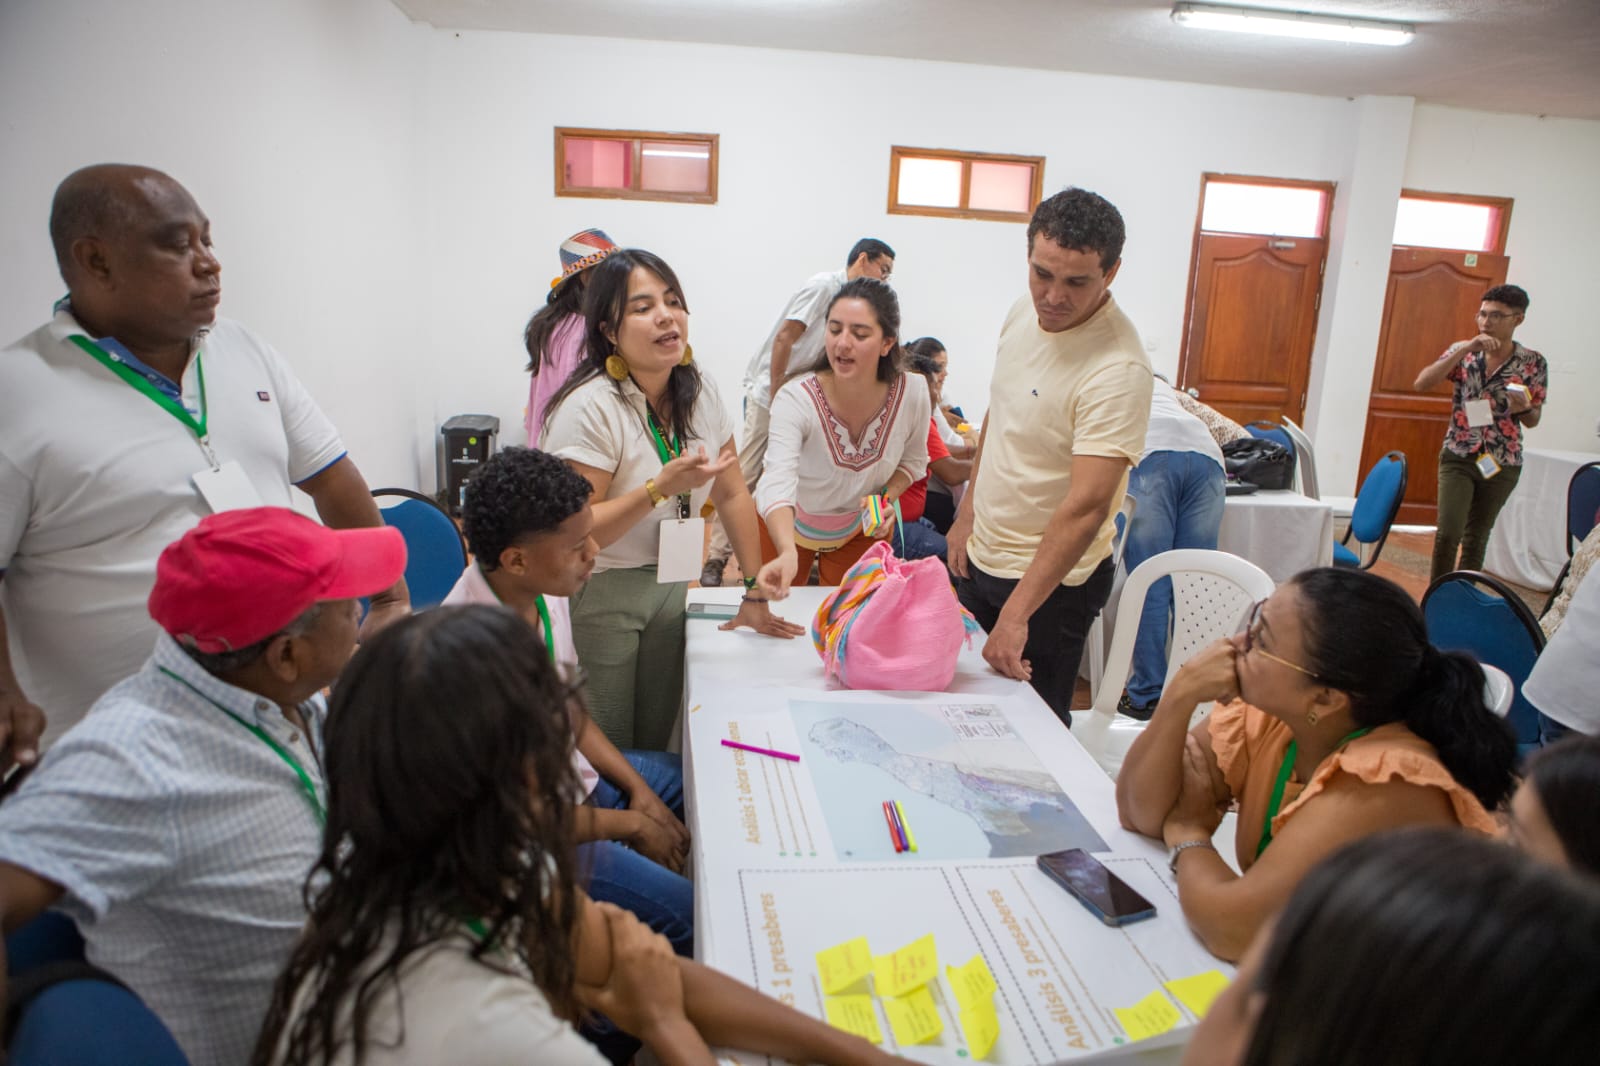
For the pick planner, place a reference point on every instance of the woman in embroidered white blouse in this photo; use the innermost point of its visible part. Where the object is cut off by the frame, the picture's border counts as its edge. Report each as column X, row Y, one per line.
column 850, row 427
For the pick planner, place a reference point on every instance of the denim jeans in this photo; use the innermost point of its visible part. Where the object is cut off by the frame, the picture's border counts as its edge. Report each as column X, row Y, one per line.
column 1180, row 497
column 660, row 898
column 920, row 539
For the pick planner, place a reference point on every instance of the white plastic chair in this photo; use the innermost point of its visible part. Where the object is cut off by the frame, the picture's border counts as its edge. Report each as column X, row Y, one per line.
column 1305, row 460
column 1094, row 645
column 1211, row 591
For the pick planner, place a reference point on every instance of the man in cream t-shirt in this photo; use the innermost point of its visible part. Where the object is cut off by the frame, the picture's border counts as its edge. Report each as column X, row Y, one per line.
column 1068, row 408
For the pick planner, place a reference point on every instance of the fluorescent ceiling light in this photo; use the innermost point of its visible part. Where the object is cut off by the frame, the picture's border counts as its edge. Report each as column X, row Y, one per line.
column 1292, row 24
column 672, row 153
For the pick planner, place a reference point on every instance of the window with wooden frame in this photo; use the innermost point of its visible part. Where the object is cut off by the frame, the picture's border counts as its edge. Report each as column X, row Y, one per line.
column 636, row 165
column 1452, row 221
column 947, row 184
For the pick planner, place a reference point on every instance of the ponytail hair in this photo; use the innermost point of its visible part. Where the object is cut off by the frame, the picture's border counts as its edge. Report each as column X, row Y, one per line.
column 1366, row 637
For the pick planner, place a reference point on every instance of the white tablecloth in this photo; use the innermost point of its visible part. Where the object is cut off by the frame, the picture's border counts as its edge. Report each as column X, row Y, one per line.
column 783, row 866
column 1281, row 531
column 1529, row 542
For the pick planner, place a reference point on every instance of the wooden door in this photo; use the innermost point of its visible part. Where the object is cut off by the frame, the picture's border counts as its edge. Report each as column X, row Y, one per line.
column 1252, row 322
column 1432, row 296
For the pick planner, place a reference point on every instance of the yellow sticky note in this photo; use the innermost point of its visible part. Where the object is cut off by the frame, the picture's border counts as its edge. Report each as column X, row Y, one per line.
column 980, row 1023
column 1151, row 1016
column 843, row 965
column 911, row 967
column 914, row 1018
column 1198, row 992
column 855, row 1015
column 971, row 982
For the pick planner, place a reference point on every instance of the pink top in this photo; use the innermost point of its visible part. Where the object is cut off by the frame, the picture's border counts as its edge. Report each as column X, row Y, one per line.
column 472, row 589
column 565, row 351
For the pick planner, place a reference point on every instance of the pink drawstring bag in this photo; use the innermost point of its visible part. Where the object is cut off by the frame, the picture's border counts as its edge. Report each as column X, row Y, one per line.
column 892, row 624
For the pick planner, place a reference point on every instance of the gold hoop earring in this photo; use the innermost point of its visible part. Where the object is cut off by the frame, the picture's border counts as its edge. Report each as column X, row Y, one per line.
column 688, row 355
column 616, row 368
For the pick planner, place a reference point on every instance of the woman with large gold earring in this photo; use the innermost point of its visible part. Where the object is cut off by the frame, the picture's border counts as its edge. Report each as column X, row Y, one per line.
column 651, row 434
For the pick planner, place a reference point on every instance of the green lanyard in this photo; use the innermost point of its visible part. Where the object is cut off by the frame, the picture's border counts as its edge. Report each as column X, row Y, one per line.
column 1283, row 782
column 266, row 738
column 549, row 633
column 667, row 454
column 197, row 426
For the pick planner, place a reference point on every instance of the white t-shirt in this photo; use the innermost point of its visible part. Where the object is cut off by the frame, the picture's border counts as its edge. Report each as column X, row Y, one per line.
column 1567, row 674
column 95, row 482
column 808, row 306
column 472, row 588
column 447, row 1007
column 1173, row 429
column 813, row 466
column 604, row 425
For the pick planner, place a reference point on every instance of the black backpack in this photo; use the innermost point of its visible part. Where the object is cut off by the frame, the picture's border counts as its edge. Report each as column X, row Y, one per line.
column 1265, row 463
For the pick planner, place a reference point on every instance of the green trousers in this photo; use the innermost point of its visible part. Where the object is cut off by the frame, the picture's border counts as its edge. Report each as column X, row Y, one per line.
column 629, row 634
column 1468, row 506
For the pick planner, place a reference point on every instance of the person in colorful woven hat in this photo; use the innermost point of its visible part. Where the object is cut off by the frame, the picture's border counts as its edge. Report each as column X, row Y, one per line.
column 176, row 824
column 554, row 335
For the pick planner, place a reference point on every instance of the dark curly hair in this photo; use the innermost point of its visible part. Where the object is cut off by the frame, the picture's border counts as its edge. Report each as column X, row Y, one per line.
column 1513, row 296
column 450, row 785
column 519, row 492
column 1077, row 218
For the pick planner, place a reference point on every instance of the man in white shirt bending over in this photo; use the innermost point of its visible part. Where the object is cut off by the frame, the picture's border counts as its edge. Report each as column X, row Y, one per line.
column 795, row 342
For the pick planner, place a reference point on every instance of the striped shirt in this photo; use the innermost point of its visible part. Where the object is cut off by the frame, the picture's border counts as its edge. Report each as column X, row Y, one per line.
column 181, row 841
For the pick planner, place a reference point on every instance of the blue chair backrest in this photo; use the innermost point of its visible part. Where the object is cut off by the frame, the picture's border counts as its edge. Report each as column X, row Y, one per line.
column 435, row 555
column 91, row 1023
column 1378, row 500
column 1273, row 432
column 1471, row 612
column 51, row 937
column 1583, row 503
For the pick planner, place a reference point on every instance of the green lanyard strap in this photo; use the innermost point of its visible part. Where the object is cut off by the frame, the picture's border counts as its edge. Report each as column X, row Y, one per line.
column 549, row 633
column 197, row 426
column 1282, row 783
column 667, row 453
column 267, row 739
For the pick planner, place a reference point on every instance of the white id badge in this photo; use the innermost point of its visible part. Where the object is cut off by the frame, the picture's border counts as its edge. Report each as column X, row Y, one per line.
column 683, row 547
column 227, row 488
column 1479, row 413
column 1487, row 466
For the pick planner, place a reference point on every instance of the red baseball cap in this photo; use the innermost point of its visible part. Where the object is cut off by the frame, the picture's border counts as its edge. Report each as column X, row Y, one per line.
column 240, row 576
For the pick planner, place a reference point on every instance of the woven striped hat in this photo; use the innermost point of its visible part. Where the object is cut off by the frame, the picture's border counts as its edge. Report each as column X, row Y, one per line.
column 583, row 250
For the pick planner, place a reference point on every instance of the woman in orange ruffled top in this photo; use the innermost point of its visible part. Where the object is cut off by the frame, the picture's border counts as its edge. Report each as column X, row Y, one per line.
column 1335, row 719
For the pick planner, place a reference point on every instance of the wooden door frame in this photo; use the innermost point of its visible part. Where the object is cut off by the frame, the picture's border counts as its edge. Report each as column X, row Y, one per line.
column 1329, row 187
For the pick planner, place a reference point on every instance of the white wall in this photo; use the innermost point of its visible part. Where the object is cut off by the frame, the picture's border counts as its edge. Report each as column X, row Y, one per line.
column 293, row 123
column 382, row 192
column 1550, row 167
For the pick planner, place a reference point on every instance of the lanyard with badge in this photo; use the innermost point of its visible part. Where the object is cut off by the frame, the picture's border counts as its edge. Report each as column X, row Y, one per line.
column 266, row 738
column 1276, row 802
column 224, row 486
column 683, row 539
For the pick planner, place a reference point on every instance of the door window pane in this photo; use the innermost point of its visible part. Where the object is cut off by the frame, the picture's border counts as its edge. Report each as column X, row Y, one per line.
column 675, row 166
column 599, row 164
column 1001, row 187
column 1446, row 224
column 930, row 182
column 1272, row 210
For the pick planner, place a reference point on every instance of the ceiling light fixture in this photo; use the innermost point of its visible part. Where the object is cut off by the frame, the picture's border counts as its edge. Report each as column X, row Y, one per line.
column 1292, row 24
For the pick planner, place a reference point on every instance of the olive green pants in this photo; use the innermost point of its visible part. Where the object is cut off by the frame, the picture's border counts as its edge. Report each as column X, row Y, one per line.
column 1468, row 506
column 629, row 634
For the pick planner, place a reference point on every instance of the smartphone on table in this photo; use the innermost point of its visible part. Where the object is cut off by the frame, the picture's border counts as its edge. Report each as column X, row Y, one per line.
column 1108, row 897
column 711, row 610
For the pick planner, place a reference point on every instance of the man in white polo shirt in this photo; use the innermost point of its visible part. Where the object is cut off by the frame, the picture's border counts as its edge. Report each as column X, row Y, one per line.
column 177, row 823
column 1068, row 409
column 130, row 415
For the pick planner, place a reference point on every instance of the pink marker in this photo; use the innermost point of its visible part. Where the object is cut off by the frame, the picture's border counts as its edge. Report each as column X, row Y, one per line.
column 760, row 751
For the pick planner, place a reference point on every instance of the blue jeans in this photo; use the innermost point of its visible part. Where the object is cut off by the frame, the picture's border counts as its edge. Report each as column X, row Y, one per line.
column 660, row 898
column 1180, row 498
column 921, row 539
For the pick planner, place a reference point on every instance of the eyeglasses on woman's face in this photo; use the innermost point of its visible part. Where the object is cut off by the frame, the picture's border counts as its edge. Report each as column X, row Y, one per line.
column 1254, row 623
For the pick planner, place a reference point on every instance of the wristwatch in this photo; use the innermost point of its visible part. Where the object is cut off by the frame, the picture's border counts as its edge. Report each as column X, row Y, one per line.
column 1178, row 849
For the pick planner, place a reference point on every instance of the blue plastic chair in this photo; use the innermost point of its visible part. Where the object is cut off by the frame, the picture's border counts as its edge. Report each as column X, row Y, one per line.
column 1263, row 430
column 90, row 1022
column 1583, row 504
column 1475, row 613
column 51, row 937
column 435, row 552
column 1377, row 503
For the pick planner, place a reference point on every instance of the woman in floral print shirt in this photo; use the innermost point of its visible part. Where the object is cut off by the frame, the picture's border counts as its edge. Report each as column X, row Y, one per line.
column 1499, row 391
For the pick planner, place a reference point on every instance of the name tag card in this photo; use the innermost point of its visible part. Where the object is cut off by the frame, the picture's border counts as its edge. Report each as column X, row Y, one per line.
column 1478, row 412
column 227, row 488
column 1487, row 466
column 683, row 546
